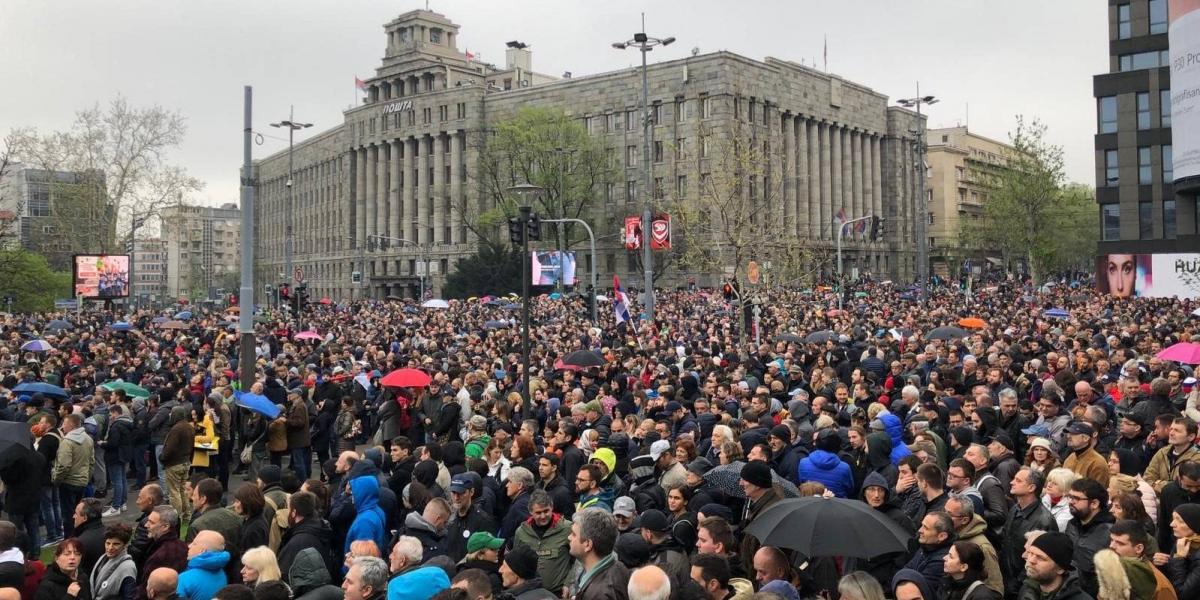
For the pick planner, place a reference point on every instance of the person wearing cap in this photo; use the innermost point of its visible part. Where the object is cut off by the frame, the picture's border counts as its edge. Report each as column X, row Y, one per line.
column 786, row 456
column 761, row 493
column 477, row 436
column 1048, row 571
column 682, row 420
column 824, row 465
column 466, row 518
column 625, row 512
column 1002, row 462
column 1083, row 459
column 595, row 418
column 672, row 473
column 1182, row 563
column 1131, row 435
column 519, row 575
column 664, row 552
column 483, row 553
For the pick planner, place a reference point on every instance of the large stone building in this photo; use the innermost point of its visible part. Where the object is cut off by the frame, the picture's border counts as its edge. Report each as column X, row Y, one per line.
column 149, row 277
column 400, row 163
column 1140, row 212
column 959, row 163
column 56, row 213
column 202, row 249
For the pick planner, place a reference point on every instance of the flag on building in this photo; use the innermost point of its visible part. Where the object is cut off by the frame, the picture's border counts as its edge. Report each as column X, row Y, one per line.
column 360, row 84
column 469, row 55
column 840, row 220
column 620, row 302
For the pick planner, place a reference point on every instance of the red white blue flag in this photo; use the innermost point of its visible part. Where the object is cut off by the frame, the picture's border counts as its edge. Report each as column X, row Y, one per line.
column 620, row 302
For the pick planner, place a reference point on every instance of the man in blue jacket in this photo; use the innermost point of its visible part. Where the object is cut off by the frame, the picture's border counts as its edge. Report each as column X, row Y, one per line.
column 824, row 466
column 206, row 567
column 369, row 523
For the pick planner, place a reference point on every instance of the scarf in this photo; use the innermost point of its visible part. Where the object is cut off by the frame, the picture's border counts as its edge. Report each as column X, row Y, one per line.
column 587, row 576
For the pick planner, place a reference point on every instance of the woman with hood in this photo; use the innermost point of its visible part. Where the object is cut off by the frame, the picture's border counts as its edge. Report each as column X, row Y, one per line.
column 880, row 495
column 879, row 457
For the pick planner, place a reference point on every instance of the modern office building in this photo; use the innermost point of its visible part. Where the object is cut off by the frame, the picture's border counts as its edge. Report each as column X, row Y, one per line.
column 56, row 213
column 402, row 163
column 202, row 249
column 1140, row 211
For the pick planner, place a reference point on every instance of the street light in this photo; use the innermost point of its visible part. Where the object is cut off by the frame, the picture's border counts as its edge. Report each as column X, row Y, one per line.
column 922, row 202
column 644, row 44
column 292, row 126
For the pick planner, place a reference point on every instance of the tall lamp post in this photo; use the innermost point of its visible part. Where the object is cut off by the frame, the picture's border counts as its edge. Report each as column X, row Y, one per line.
column 519, row 233
column 922, row 202
column 292, row 126
column 644, row 44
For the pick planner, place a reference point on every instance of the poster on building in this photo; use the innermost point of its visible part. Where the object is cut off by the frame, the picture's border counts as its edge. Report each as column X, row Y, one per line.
column 1184, row 39
column 101, row 276
column 660, row 233
column 633, row 233
column 1149, row 275
column 552, row 266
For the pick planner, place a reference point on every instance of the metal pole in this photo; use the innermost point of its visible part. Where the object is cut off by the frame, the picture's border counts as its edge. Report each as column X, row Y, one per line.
column 841, row 278
column 562, row 248
column 525, row 267
column 922, row 208
column 246, row 290
column 647, row 256
column 287, row 241
column 595, row 259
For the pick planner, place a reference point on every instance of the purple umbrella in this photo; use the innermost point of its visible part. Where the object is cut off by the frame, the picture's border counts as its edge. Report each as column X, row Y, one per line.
column 1183, row 352
column 37, row 346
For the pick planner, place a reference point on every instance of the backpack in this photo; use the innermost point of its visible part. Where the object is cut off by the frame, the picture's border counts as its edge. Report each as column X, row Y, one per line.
column 277, row 520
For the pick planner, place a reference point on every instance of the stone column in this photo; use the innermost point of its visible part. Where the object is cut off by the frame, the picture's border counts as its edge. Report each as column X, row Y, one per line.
column 394, row 198
column 788, row 172
column 439, row 190
column 372, row 187
column 877, row 178
column 409, row 212
column 384, row 189
column 847, row 175
column 812, row 131
column 800, row 137
column 856, row 167
column 827, row 211
column 360, row 196
column 456, row 201
column 837, row 200
column 868, row 196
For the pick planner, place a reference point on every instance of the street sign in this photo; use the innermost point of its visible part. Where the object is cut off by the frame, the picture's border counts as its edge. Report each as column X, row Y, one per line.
column 299, row 276
column 752, row 272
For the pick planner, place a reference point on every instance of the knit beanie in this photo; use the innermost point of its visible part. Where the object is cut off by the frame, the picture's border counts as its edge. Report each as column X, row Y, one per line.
column 1190, row 513
column 1057, row 546
column 758, row 472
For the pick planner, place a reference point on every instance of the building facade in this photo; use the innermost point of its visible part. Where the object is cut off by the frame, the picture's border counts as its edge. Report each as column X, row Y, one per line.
column 202, row 249
column 149, row 270
column 959, row 163
column 1140, row 212
column 56, row 213
column 404, row 164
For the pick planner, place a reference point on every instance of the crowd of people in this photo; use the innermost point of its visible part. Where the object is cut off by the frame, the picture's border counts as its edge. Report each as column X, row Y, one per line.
column 1037, row 454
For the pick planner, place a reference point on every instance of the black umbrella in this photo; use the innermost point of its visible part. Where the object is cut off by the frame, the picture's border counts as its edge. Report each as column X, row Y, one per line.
column 727, row 477
column 14, row 434
column 947, row 333
column 818, row 526
column 820, row 337
column 583, row 358
column 495, row 324
column 789, row 337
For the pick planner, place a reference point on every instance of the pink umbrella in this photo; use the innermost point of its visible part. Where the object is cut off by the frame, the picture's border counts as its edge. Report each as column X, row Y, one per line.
column 308, row 335
column 1183, row 352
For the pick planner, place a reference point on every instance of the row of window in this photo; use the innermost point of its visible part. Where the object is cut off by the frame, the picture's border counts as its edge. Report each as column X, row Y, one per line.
column 1143, row 60
column 1107, row 111
column 628, row 119
column 1158, row 19
column 1110, row 217
column 1112, row 171
column 367, row 126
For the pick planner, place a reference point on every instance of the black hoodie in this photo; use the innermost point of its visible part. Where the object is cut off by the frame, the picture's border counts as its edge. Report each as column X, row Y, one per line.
column 885, row 566
column 309, row 533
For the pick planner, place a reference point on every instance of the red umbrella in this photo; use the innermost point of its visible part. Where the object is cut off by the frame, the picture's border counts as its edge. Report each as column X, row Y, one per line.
column 406, row 378
column 326, row 301
column 1184, row 352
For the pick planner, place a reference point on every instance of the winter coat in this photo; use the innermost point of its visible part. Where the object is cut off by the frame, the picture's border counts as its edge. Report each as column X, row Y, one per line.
column 895, row 430
column 884, row 567
column 749, row 543
column 118, row 446
column 47, row 446
column 930, row 562
column 297, row 426
column 518, row 511
column 461, row 528
column 91, row 537
column 995, row 501
column 417, row 584
column 1069, row 590
column 167, row 551
column 976, row 532
column 433, row 542
column 161, row 422
column 1019, row 522
column 308, row 571
column 552, row 548
column 55, row 583
column 180, row 439
column 610, row 583
column 1185, row 574
column 1088, row 463
column 972, row 591
column 23, row 492
column 342, row 429
column 1163, row 470
column 76, row 455
column 531, row 589
column 113, row 577
column 205, row 575
column 1171, row 497
column 370, row 522
column 309, row 533
column 828, row 469
column 787, row 463
column 277, row 435
column 205, row 442
column 1061, row 512
column 1089, row 539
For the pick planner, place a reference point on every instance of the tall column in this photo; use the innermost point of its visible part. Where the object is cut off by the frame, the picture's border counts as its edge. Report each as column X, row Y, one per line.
column 856, row 167
column 394, row 200
column 360, row 196
column 439, row 190
column 800, row 166
column 456, row 201
column 814, row 178
column 383, row 193
column 847, row 175
column 409, row 213
column 868, row 196
column 877, row 177
column 788, row 172
column 837, row 202
column 372, row 187
column 422, row 192
column 827, row 211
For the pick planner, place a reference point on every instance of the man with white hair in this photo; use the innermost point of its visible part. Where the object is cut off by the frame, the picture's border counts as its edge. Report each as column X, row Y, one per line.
column 649, row 583
column 720, row 435
column 367, row 579
column 408, row 574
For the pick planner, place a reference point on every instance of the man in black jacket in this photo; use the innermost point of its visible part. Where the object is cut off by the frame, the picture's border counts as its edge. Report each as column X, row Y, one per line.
column 118, row 451
column 446, row 423
column 554, row 485
column 305, row 530
column 1027, row 514
column 22, row 479
column 1185, row 489
column 466, row 518
column 403, row 463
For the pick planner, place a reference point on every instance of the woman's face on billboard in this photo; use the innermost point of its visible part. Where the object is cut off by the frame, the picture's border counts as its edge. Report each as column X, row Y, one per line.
column 1121, row 273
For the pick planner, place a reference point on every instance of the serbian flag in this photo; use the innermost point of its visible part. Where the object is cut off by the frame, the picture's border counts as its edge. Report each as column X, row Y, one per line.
column 469, row 55
column 840, row 219
column 620, row 302
column 360, row 84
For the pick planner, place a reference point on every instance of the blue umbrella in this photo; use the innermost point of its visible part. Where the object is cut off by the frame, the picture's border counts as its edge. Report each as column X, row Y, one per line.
column 183, row 315
column 39, row 387
column 120, row 326
column 59, row 324
column 1057, row 313
column 37, row 346
column 257, row 403
column 158, row 320
column 494, row 302
column 556, row 296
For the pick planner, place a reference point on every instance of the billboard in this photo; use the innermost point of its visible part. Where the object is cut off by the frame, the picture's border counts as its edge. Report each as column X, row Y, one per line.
column 1184, row 40
column 1149, row 275
column 548, row 267
column 633, row 233
column 101, row 275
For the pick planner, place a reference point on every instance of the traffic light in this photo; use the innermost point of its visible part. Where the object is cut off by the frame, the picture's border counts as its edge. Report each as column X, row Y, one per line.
column 878, row 229
column 301, row 297
column 515, row 231
column 535, row 228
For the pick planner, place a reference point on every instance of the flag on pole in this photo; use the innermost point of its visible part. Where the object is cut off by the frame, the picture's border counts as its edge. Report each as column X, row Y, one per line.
column 360, row 84
column 826, row 55
column 469, row 55
column 620, row 302
column 840, row 220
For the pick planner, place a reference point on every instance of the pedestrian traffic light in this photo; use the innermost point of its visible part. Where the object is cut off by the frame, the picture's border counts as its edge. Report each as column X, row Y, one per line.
column 878, row 229
column 535, row 228
column 515, row 231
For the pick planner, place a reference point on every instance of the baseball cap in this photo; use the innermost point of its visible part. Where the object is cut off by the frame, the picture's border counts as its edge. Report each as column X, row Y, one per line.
column 1037, row 430
column 624, row 507
column 481, row 540
column 1081, row 428
column 657, row 448
column 655, row 520
column 463, row 482
column 673, row 406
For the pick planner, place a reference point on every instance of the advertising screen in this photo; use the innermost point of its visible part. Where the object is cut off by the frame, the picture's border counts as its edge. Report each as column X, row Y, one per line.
column 1149, row 275
column 101, row 275
column 549, row 267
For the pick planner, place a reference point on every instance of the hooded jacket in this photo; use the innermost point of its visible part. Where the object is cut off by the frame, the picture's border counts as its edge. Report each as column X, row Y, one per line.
column 1069, row 590
column 976, row 533
column 879, row 452
column 895, row 430
column 1089, row 539
column 433, row 541
column 204, row 576
column 310, row 533
column 418, row 584
column 884, row 567
column 76, row 454
column 370, row 522
column 118, row 447
column 308, row 572
column 826, row 468
column 916, row 577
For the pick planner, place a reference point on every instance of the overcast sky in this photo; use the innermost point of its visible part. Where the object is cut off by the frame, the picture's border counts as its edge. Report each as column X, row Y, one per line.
column 1002, row 58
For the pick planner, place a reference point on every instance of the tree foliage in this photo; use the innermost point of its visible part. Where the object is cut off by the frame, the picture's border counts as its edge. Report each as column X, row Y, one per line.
column 1032, row 211
column 490, row 271
column 27, row 277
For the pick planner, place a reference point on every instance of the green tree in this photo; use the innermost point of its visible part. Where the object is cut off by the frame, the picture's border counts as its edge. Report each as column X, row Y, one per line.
column 27, row 277
column 490, row 271
column 1032, row 212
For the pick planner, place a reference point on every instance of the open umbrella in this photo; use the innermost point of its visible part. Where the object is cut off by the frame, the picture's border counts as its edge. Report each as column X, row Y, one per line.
column 59, row 325
column 494, row 302
column 13, row 435
column 130, row 389
column 789, row 337
column 39, row 387
column 410, row 310
column 947, row 333
column 1184, row 352
column 900, row 332
column 1057, row 313
column 160, row 320
column 860, row 294
column 559, row 365
column 435, row 303
column 583, row 358
column 495, row 324
column 174, row 325
column 326, row 301
column 37, row 346
column 120, row 326
column 726, row 478
column 817, row 526
column 972, row 323
column 601, row 298
column 820, row 337
column 183, row 315
column 408, row 378
column 256, row 403
column 308, row 335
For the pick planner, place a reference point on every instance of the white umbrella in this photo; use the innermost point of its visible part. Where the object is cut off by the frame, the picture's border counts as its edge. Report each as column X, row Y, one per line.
column 435, row 303
column 601, row 298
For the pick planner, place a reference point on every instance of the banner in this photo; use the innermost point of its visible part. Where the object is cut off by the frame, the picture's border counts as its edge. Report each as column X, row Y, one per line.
column 633, row 233
column 101, row 275
column 1184, row 40
column 660, row 233
column 549, row 267
column 1149, row 275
